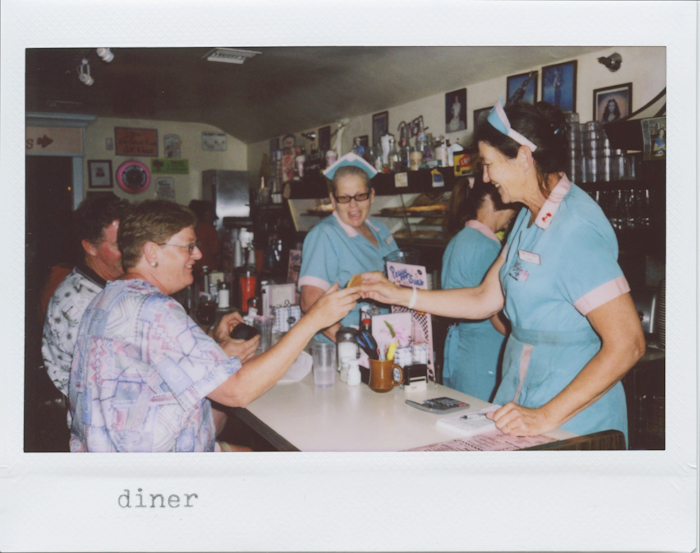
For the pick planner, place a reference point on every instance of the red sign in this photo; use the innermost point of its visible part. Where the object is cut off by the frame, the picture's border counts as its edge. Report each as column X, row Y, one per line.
column 136, row 142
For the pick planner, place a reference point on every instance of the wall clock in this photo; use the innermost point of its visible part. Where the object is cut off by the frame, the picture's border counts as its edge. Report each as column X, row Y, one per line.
column 288, row 141
column 133, row 177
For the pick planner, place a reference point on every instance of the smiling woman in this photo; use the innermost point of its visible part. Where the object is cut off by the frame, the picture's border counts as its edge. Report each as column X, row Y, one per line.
column 347, row 242
column 144, row 371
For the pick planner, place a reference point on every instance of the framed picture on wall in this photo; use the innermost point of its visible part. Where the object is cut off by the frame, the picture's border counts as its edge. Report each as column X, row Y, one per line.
column 360, row 145
column 380, row 126
column 99, row 173
column 654, row 136
column 324, row 139
column 456, row 110
column 559, row 85
column 612, row 103
column 522, row 88
column 480, row 114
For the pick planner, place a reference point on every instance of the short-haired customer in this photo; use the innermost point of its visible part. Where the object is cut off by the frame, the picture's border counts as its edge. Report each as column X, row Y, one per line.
column 143, row 371
column 96, row 222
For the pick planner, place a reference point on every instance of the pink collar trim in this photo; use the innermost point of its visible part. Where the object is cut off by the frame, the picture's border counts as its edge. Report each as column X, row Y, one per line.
column 350, row 231
column 482, row 228
column 551, row 204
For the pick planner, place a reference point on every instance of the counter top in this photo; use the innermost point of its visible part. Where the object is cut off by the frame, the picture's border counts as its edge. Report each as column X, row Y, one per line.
column 300, row 416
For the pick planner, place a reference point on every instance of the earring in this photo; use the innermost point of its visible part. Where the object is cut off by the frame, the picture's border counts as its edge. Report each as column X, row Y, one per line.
column 154, row 264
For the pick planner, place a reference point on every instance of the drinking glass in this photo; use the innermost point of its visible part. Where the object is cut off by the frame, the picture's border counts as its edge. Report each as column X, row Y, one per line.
column 323, row 364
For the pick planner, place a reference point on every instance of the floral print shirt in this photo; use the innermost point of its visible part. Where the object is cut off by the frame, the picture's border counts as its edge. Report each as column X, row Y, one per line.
column 141, row 371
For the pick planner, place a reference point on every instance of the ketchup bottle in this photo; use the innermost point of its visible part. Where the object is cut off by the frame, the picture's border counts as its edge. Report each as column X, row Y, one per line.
column 247, row 281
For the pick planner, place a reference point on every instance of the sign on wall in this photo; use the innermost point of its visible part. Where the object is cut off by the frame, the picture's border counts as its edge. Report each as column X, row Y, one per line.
column 53, row 140
column 136, row 142
column 162, row 165
column 165, row 188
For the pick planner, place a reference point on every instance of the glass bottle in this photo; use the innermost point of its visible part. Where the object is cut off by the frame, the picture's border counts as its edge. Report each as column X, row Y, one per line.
column 394, row 157
column 377, row 153
column 441, row 151
column 247, row 281
column 428, row 154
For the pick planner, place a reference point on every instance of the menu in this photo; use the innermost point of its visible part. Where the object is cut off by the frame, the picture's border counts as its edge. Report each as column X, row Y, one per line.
column 491, row 441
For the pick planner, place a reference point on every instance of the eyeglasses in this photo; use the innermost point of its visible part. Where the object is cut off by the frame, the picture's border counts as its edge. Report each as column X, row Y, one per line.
column 190, row 247
column 357, row 197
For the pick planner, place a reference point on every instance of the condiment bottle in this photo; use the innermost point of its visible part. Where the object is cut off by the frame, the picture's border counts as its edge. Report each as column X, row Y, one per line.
column 354, row 376
column 247, row 281
column 365, row 318
column 223, row 296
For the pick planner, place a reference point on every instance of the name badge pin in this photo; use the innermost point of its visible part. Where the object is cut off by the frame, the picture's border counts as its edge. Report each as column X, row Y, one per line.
column 529, row 257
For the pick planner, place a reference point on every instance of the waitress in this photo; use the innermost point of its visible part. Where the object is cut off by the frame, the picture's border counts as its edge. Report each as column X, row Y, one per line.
column 472, row 348
column 346, row 243
column 575, row 330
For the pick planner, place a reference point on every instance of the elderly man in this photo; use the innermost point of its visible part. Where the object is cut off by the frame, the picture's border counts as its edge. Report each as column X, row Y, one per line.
column 96, row 224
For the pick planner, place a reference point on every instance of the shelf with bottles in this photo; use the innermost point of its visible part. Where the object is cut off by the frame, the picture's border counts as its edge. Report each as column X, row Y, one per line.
column 315, row 186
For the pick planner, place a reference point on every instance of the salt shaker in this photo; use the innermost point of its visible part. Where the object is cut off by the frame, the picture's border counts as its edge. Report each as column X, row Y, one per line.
column 346, row 338
column 354, row 373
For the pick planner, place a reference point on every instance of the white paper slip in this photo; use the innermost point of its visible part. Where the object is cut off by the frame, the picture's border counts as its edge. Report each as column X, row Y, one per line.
column 470, row 424
column 299, row 369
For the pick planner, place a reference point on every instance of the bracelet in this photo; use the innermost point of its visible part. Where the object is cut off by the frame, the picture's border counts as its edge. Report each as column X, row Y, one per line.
column 414, row 297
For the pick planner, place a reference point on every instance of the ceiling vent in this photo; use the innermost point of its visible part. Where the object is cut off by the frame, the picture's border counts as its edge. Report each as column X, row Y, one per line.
column 229, row 55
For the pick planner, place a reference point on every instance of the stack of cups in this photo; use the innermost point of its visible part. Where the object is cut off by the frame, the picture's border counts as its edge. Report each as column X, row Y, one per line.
column 607, row 165
column 593, row 140
column 575, row 151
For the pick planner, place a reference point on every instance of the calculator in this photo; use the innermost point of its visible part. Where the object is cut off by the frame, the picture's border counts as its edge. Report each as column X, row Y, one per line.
column 440, row 405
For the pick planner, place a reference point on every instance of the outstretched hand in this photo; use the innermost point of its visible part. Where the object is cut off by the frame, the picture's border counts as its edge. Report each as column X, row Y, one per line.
column 376, row 286
column 333, row 305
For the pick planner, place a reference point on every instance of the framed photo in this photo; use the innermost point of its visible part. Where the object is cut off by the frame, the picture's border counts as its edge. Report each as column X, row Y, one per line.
column 360, row 145
column 324, row 139
column 654, row 136
column 100, row 173
column 480, row 114
column 559, row 85
column 380, row 126
column 522, row 88
column 612, row 103
column 415, row 126
column 456, row 110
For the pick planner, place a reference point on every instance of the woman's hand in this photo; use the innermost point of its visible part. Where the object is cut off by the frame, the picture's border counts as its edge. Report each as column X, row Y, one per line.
column 227, row 323
column 243, row 349
column 333, row 305
column 517, row 420
column 377, row 287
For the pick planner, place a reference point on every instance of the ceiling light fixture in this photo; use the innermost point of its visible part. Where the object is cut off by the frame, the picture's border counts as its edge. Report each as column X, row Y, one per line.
column 106, row 54
column 229, row 55
column 84, row 73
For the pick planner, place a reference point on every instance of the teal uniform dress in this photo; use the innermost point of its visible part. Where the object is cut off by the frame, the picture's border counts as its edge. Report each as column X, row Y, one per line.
column 556, row 272
column 472, row 348
column 334, row 251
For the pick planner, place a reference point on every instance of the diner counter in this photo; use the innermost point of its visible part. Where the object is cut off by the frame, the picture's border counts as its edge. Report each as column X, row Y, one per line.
column 302, row 417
